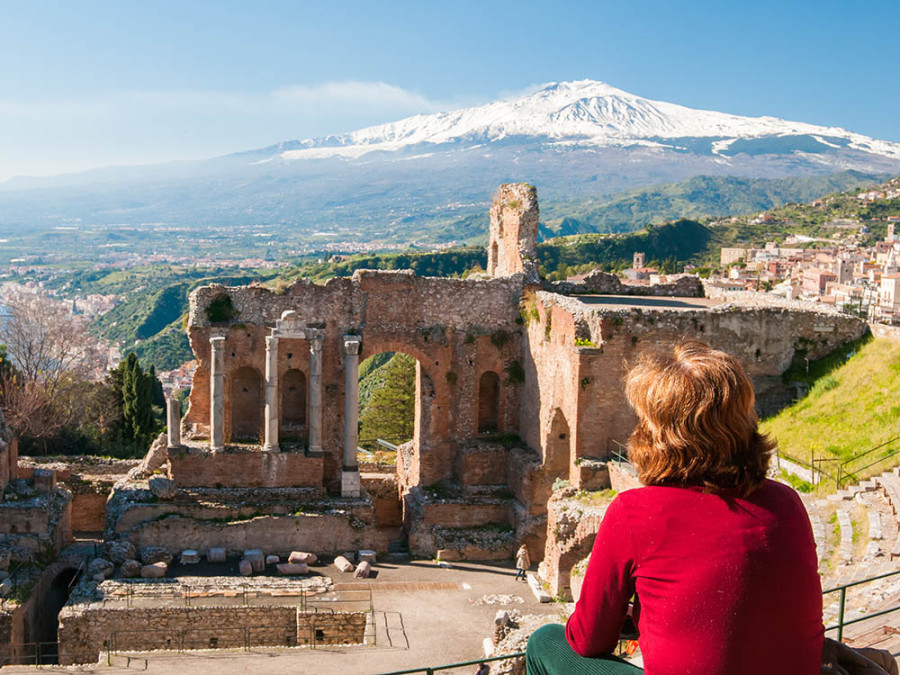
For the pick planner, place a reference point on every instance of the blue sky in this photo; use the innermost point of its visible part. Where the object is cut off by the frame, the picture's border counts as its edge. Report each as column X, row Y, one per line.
column 86, row 84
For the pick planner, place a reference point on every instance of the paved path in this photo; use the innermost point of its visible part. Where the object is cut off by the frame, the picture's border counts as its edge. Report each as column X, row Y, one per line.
column 425, row 615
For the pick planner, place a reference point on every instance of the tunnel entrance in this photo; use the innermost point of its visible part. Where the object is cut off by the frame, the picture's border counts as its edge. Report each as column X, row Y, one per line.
column 45, row 629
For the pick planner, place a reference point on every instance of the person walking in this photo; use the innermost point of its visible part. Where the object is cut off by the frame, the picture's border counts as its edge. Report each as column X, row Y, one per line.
column 523, row 562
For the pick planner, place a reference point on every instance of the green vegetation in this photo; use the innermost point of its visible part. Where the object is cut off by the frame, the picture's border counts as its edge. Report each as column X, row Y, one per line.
column 697, row 198
column 852, row 406
column 136, row 392
column 680, row 241
column 388, row 411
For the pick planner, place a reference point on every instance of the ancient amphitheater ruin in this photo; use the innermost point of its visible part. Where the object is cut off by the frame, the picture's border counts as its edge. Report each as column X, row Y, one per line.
column 518, row 398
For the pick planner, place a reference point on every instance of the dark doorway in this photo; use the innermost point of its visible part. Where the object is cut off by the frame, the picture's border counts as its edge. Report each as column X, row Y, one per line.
column 488, row 403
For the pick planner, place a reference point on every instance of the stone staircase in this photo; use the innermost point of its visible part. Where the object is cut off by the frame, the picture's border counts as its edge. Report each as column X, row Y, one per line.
column 871, row 509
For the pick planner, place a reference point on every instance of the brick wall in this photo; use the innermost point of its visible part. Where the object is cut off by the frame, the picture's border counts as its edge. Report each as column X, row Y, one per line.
column 195, row 467
column 83, row 633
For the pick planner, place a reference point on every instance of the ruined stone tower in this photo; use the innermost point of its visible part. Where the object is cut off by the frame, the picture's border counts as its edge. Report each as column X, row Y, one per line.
column 514, row 228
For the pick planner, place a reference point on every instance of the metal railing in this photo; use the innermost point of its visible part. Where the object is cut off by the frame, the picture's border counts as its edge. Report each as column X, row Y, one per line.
column 616, row 451
column 430, row 670
column 30, row 654
column 839, row 626
column 836, row 469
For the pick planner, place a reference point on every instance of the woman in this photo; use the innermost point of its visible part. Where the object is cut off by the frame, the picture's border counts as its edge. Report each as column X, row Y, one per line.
column 720, row 561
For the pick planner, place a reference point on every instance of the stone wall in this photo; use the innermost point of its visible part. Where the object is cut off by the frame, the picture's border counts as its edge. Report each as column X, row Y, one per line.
column 244, row 467
column 457, row 329
column 766, row 339
column 37, row 524
column 572, row 526
column 329, row 533
column 84, row 632
column 88, row 512
column 603, row 283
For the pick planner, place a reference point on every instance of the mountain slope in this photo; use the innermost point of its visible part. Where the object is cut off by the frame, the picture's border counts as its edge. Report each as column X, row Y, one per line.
column 585, row 113
column 407, row 180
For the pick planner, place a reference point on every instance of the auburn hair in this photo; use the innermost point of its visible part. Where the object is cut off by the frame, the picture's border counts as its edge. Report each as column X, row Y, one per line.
column 697, row 422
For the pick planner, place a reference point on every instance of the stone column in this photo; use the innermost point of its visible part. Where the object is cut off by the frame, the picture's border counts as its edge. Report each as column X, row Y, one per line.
column 315, row 394
column 217, row 395
column 271, row 443
column 173, row 420
column 350, row 484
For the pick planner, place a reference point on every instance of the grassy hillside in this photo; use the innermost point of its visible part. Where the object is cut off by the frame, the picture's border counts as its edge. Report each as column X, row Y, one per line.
column 853, row 406
column 696, row 198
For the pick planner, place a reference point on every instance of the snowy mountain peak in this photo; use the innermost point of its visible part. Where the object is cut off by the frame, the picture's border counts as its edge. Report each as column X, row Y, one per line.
column 583, row 113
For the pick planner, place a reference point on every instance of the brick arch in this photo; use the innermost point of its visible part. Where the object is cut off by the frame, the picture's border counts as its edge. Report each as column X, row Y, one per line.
column 373, row 346
column 246, row 404
column 416, row 462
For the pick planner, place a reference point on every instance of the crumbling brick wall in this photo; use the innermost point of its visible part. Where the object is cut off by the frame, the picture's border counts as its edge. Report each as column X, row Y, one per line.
column 85, row 630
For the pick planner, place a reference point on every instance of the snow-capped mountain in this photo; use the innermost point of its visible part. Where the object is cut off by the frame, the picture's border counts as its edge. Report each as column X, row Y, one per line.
column 583, row 113
column 572, row 139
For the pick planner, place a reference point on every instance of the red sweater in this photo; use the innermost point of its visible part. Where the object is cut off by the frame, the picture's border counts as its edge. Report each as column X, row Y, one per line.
column 725, row 585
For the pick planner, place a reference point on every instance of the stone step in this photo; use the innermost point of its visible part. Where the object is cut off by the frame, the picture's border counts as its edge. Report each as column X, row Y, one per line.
column 846, row 525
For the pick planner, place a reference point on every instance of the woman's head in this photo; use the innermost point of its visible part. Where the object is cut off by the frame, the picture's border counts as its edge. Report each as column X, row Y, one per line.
column 697, row 423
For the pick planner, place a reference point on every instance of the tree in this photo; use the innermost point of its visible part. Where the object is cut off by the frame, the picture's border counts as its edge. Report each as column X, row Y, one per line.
column 45, row 343
column 133, row 390
column 49, row 352
column 390, row 411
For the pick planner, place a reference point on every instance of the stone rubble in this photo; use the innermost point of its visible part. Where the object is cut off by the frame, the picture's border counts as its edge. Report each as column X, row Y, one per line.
column 162, row 488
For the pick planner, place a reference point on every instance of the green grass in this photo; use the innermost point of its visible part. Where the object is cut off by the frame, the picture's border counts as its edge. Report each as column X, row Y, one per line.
column 852, row 406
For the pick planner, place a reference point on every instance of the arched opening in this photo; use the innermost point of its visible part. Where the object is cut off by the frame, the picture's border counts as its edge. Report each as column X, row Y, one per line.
column 492, row 263
column 246, row 405
column 387, row 403
column 557, row 447
column 293, row 404
column 488, row 403
column 46, row 625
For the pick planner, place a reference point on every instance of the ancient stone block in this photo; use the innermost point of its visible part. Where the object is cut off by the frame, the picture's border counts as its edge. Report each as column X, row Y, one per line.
column 100, row 566
column 119, row 551
column 44, row 480
column 366, row 555
column 155, row 571
column 245, row 568
column 343, row 564
column 155, row 554
column 163, row 488
column 302, row 557
column 190, row 556
column 272, row 560
column 256, row 558
column 538, row 590
column 363, row 570
column 131, row 568
column 292, row 568
column 215, row 555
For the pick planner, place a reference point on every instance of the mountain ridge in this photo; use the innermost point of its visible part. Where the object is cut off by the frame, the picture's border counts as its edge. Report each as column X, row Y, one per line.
column 399, row 182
